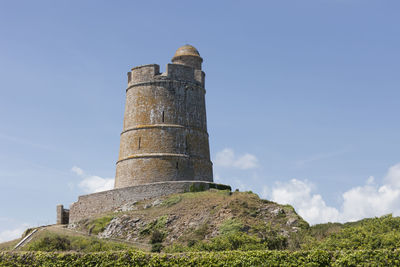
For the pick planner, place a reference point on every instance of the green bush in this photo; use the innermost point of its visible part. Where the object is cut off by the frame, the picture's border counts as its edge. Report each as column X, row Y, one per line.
column 376, row 233
column 156, row 237
column 55, row 242
column 51, row 243
column 156, row 247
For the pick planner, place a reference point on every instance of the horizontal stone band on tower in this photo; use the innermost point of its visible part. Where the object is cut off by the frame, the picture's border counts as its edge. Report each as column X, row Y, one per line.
column 140, row 127
column 165, row 82
column 164, row 137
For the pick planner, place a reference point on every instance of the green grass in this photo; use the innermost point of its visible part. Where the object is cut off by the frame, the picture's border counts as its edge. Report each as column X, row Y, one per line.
column 9, row 245
column 175, row 199
column 157, row 224
column 98, row 225
column 230, row 226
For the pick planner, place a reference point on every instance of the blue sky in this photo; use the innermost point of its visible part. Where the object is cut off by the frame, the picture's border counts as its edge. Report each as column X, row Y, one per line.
column 302, row 99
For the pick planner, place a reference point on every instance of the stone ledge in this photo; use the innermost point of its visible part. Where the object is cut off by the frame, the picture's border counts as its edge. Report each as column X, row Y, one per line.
column 108, row 201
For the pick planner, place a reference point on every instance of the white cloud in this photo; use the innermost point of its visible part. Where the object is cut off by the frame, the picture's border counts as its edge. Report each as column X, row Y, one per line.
column 310, row 206
column 12, row 234
column 92, row 183
column 227, row 158
column 369, row 200
column 77, row 170
column 393, row 176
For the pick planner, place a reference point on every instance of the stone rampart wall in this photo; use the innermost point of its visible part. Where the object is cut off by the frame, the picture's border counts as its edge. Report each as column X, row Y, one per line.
column 108, row 201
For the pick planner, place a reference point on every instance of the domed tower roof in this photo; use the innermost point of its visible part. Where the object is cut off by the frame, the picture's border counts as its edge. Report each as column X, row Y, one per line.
column 186, row 50
column 189, row 56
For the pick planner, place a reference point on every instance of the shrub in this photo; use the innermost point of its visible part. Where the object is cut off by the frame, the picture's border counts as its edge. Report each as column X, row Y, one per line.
column 51, row 243
column 156, row 247
column 156, row 237
column 54, row 242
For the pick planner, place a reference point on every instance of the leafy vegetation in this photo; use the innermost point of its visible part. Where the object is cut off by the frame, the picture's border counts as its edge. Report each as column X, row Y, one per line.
column 48, row 241
column 233, row 238
column 373, row 233
column 384, row 257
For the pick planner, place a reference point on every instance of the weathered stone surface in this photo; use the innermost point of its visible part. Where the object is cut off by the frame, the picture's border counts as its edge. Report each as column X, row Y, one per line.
column 62, row 215
column 164, row 136
column 114, row 200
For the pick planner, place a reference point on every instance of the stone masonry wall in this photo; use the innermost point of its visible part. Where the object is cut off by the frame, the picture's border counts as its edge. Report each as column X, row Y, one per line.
column 164, row 136
column 91, row 205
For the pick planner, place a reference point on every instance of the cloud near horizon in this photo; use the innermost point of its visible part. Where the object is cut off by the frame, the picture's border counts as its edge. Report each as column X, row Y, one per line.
column 93, row 183
column 368, row 200
column 7, row 235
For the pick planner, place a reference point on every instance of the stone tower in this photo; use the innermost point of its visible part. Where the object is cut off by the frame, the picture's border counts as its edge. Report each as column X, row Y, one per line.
column 164, row 142
column 164, row 136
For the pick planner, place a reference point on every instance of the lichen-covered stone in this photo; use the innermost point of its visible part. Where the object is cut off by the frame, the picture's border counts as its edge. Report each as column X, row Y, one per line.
column 164, row 135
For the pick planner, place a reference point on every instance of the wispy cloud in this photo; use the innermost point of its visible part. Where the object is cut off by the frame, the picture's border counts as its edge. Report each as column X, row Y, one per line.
column 228, row 158
column 320, row 156
column 92, row 183
column 25, row 142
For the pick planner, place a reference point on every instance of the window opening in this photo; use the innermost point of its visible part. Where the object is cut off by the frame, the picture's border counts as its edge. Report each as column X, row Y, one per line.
column 140, row 139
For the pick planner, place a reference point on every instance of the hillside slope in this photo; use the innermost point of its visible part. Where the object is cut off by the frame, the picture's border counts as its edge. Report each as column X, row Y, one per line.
column 196, row 219
column 212, row 221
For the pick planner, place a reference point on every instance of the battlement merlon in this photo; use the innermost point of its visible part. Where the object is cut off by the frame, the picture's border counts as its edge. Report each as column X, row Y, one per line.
column 143, row 73
column 148, row 73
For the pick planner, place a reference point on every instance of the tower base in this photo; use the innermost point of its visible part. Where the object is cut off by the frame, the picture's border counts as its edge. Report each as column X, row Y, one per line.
column 109, row 201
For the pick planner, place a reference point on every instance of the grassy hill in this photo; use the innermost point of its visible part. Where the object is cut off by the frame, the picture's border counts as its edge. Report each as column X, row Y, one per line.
column 212, row 221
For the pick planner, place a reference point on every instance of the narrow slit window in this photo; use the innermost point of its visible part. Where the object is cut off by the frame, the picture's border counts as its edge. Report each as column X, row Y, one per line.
column 163, row 116
column 139, row 141
column 177, row 166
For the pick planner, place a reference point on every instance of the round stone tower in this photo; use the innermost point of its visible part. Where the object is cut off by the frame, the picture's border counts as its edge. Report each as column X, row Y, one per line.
column 164, row 136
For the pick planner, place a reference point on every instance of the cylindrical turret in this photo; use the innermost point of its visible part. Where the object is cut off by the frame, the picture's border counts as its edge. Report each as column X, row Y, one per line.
column 189, row 56
column 164, row 136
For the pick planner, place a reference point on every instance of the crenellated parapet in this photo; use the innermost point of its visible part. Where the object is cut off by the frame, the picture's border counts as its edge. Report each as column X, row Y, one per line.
column 164, row 136
column 148, row 74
